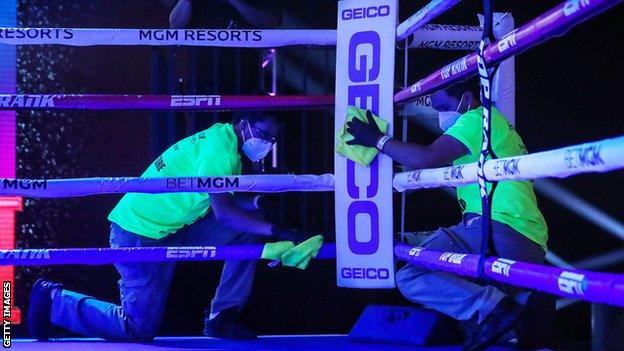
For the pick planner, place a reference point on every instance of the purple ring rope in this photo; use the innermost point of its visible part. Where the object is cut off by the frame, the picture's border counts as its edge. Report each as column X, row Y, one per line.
column 162, row 102
column 590, row 286
column 99, row 256
column 552, row 23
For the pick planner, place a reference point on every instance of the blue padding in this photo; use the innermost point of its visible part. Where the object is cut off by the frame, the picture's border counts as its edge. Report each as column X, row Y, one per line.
column 404, row 325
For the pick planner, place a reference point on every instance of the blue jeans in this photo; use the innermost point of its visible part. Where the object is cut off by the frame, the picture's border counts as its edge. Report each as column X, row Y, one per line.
column 460, row 297
column 144, row 287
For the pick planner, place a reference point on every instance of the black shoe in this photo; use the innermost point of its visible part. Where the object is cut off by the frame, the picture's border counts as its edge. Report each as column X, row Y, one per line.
column 501, row 320
column 226, row 325
column 40, row 308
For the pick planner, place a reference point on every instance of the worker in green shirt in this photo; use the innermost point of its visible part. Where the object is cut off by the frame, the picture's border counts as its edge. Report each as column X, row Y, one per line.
column 174, row 219
column 519, row 230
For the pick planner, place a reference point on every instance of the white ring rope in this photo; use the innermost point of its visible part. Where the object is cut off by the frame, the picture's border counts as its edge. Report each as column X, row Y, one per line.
column 273, row 183
column 423, row 16
column 600, row 156
column 240, row 38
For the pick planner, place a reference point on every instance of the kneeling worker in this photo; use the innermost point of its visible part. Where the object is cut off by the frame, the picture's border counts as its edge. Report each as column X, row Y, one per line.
column 519, row 229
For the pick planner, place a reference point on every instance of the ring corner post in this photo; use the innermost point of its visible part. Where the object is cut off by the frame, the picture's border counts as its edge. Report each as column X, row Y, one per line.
column 365, row 58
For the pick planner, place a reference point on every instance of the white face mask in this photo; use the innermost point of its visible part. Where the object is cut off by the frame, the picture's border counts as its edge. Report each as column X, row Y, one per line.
column 446, row 119
column 255, row 148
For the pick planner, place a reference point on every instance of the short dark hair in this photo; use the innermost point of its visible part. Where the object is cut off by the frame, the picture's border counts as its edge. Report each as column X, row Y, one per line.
column 458, row 89
column 253, row 116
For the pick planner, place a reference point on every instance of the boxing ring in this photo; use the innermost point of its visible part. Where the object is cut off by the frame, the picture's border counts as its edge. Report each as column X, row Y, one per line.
column 599, row 156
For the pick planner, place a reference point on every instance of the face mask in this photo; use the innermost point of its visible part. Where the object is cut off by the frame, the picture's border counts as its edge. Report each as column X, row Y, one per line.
column 255, row 148
column 446, row 119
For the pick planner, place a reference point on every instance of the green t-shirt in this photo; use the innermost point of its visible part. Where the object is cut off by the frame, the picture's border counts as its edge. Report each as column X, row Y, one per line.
column 212, row 152
column 514, row 202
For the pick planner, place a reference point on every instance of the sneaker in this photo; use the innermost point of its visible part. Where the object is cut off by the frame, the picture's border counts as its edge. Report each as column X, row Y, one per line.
column 501, row 320
column 226, row 325
column 40, row 308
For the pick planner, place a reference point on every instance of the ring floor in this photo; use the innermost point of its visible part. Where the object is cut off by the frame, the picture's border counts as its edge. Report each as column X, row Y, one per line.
column 265, row 343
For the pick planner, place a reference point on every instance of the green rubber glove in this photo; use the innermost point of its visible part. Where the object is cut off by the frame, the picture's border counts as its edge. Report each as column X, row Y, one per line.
column 274, row 251
column 300, row 255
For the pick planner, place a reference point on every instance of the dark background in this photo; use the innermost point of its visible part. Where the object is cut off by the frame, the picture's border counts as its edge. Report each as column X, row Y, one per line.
column 568, row 91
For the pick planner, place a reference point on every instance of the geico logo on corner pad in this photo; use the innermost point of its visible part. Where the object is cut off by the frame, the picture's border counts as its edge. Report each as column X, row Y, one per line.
column 36, row 33
column 453, row 173
column 179, row 252
column 580, row 157
column 195, row 100
column 203, row 183
column 365, row 12
column 364, row 64
column 452, row 257
column 39, row 254
column 502, row 266
column 506, row 167
column 454, row 68
column 224, row 35
column 571, row 6
column 572, row 283
column 365, row 273
column 24, row 184
column 506, row 42
column 27, row 100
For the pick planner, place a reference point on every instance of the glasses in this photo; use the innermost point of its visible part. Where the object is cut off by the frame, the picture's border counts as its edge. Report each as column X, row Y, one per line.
column 264, row 135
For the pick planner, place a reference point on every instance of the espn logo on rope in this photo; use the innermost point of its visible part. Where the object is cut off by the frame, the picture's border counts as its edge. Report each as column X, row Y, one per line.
column 415, row 251
column 416, row 87
column 572, row 6
column 191, row 253
column 452, row 257
column 506, row 42
column 454, row 68
column 34, row 101
column 502, row 266
column 572, row 283
column 27, row 254
column 195, row 100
